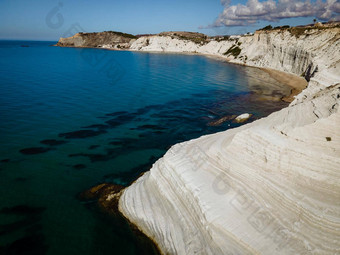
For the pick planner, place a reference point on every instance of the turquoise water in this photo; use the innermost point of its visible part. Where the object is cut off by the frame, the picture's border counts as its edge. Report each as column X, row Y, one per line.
column 73, row 118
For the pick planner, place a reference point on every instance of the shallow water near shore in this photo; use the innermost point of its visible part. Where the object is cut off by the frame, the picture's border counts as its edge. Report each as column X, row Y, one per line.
column 73, row 118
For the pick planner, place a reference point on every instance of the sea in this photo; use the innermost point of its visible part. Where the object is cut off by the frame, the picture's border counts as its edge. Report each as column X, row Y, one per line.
column 73, row 118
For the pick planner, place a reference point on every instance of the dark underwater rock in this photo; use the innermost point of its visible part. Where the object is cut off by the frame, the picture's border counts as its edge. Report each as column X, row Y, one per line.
column 80, row 134
column 34, row 150
column 113, row 114
column 92, row 147
column 53, row 142
column 92, row 157
column 98, row 126
column 121, row 119
column 22, row 210
column 79, row 166
column 221, row 120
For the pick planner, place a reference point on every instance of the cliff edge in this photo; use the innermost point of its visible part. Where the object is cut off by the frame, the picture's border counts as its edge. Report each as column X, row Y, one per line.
column 269, row 187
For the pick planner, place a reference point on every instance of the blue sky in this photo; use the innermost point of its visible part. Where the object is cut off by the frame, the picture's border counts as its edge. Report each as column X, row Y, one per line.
column 49, row 19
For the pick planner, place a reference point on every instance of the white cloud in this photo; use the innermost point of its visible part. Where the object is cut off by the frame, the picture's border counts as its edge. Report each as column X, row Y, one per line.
column 270, row 10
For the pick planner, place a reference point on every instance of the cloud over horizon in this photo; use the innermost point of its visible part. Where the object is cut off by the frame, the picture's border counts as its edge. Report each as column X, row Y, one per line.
column 270, row 10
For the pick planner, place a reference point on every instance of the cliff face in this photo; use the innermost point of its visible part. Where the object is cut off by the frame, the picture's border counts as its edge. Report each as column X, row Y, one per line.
column 302, row 53
column 269, row 187
column 102, row 40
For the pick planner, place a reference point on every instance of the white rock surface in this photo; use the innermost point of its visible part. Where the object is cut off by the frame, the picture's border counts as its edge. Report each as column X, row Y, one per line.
column 268, row 187
column 163, row 43
column 276, row 49
column 243, row 117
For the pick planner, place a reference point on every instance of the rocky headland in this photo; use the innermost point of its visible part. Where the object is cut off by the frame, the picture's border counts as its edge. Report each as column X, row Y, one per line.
column 107, row 39
column 268, row 187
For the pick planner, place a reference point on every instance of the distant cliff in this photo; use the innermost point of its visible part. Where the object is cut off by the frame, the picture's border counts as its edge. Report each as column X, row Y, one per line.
column 108, row 39
column 290, row 50
column 276, row 48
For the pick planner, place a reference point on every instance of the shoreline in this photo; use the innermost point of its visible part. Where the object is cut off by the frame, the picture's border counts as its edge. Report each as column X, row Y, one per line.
column 114, row 205
column 107, row 197
column 281, row 145
column 293, row 81
column 273, row 160
column 296, row 83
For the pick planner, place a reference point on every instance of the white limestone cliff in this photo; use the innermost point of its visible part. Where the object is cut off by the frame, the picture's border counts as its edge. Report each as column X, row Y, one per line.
column 277, row 49
column 268, row 187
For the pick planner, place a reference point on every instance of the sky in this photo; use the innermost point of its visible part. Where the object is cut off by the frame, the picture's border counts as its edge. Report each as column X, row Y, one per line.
column 50, row 19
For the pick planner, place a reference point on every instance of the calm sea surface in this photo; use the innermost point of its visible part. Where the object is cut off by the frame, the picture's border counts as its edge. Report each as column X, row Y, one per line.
column 73, row 118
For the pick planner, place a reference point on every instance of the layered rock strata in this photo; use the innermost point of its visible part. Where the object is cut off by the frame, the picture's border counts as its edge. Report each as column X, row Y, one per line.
column 269, row 187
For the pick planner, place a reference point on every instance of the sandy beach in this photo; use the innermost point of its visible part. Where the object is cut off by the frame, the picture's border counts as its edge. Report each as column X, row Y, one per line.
column 295, row 82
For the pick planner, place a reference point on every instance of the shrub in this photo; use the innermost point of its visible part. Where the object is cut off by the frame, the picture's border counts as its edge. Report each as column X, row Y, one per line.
column 221, row 38
column 297, row 31
column 122, row 34
column 233, row 50
column 269, row 27
column 282, row 27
